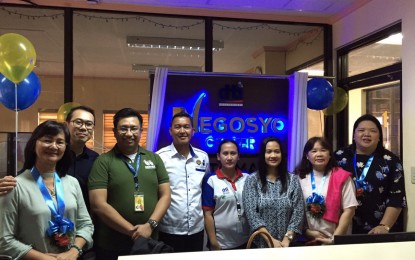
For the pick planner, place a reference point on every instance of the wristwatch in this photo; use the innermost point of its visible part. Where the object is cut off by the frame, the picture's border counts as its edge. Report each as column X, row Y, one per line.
column 289, row 236
column 153, row 224
column 80, row 251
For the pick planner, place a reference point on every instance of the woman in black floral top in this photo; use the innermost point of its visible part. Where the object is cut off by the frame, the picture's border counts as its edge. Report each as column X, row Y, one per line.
column 378, row 176
column 272, row 197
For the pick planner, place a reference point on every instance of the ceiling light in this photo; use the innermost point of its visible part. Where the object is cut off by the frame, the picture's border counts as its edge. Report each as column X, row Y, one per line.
column 171, row 43
column 149, row 67
column 395, row 39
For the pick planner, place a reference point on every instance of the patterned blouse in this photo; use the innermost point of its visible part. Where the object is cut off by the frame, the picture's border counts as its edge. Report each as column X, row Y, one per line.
column 386, row 188
column 278, row 213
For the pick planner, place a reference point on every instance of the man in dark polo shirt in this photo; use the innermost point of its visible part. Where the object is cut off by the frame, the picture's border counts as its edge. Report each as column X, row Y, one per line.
column 81, row 122
column 129, row 190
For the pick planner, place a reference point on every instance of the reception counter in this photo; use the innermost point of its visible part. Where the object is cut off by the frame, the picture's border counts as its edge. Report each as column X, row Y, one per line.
column 376, row 251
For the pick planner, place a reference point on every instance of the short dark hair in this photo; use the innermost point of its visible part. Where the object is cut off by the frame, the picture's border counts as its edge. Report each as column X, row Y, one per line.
column 367, row 117
column 127, row 112
column 85, row 108
column 225, row 141
column 263, row 168
column 48, row 128
column 181, row 114
column 305, row 167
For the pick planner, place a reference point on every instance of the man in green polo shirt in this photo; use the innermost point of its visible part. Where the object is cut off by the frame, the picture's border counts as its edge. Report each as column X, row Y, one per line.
column 129, row 190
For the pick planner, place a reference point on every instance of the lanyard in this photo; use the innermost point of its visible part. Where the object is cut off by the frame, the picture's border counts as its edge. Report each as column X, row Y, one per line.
column 135, row 171
column 360, row 182
column 238, row 204
column 313, row 183
column 60, row 210
column 58, row 224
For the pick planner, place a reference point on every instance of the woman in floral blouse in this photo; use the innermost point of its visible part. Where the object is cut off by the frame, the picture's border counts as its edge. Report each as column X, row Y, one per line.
column 379, row 179
column 272, row 197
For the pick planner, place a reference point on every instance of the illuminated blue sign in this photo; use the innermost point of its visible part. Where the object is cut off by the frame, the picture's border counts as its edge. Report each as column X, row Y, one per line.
column 242, row 109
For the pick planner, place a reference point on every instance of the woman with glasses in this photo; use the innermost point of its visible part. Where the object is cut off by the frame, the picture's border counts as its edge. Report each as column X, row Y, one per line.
column 328, row 191
column 224, row 216
column 272, row 197
column 44, row 216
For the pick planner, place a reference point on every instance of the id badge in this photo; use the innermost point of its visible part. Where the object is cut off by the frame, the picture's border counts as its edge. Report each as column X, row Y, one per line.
column 138, row 201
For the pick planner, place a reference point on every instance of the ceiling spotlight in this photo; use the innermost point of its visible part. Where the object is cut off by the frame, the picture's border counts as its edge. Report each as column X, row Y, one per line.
column 171, row 43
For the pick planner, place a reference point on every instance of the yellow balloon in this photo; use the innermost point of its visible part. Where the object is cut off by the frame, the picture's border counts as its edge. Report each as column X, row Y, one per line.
column 17, row 57
column 64, row 110
column 340, row 101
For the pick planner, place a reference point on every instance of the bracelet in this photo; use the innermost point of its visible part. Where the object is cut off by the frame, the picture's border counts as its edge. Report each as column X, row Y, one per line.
column 80, row 252
column 386, row 227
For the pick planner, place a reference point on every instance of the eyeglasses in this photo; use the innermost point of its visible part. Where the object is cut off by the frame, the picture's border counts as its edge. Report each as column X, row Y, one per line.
column 79, row 123
column 133, row 130
column 49, row 142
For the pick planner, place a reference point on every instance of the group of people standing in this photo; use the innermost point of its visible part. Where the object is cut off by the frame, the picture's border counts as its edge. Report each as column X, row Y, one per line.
column 356, row 190
column 171, row 195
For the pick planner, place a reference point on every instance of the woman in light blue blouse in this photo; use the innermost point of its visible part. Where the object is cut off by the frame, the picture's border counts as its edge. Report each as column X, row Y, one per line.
column 272, row 197
column 44, row 216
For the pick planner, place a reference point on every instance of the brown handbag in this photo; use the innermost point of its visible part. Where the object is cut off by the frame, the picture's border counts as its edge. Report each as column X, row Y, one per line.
column 258, row 232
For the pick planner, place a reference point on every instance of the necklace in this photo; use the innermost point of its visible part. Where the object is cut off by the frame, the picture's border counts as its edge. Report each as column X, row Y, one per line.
column 52, row 192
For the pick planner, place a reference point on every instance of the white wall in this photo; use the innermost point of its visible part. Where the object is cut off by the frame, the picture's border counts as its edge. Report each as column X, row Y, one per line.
column 374, row 16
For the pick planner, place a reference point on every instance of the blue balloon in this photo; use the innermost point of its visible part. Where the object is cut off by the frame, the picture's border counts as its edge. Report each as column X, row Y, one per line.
column 320, row 94
column 28, row 90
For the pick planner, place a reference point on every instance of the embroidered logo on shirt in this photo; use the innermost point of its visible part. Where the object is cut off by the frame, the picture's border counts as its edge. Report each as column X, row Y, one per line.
column 225, row 190
column 149, row 164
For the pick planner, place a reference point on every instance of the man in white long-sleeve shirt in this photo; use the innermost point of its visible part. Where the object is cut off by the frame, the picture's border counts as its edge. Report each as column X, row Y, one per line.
column 182, row 226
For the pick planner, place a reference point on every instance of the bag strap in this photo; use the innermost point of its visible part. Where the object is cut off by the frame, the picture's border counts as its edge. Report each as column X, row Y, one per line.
column 268, row 238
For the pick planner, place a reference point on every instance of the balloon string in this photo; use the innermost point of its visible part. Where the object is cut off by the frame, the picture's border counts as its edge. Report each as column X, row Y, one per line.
column 16, row 128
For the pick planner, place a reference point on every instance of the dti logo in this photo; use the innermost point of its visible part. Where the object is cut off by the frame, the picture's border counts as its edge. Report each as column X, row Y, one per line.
column 231, row 95
column 225, row 190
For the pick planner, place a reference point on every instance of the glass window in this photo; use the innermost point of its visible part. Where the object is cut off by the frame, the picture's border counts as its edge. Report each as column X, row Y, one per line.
column 376, row 55
column 44, row 29
column 385, row 103
column 113, row 53
column 264, row 48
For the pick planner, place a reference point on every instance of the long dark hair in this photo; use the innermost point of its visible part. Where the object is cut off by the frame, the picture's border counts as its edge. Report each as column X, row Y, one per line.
column 305, row 167
column 263, row 167
column 367, row 117
column 48, row 128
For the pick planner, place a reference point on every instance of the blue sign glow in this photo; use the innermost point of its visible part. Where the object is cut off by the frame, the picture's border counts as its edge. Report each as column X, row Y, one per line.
column 221, row 109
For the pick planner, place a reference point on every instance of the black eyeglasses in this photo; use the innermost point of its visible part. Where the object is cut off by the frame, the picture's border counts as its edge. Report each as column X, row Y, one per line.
column 79, row 123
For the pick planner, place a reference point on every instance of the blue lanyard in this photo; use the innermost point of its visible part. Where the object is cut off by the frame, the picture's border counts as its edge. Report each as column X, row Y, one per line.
column 313, row 183
column 58, row 224
column 56, row 212
column 360, row 182
column 135, row 171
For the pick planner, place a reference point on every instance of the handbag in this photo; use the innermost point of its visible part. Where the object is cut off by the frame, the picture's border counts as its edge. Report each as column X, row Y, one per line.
column 144, row 246
column 258, row 232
